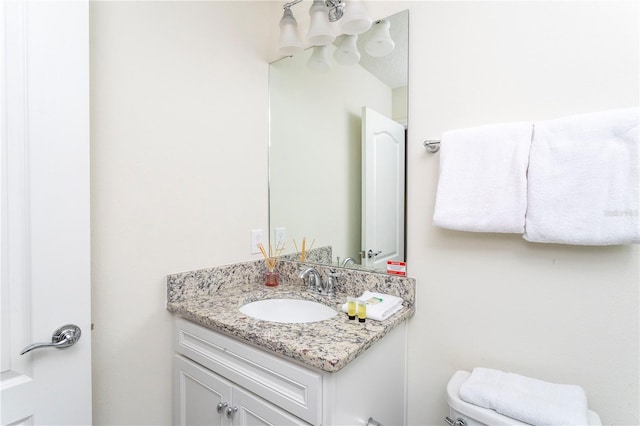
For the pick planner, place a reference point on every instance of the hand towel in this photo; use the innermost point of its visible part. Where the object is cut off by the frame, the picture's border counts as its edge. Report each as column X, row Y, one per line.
column 583, row 180
column 380, row 306
column 526, row 399
column 482, row 185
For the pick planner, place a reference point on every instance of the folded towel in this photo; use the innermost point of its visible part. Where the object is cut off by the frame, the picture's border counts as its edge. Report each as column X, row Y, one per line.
column 583, row 180
column 482, row 185
column 380, row 306
column 526, row 399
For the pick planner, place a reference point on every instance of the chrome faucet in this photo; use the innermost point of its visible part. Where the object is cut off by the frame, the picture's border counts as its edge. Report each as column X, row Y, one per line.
column 315, row 284
column 312, row 278
column 347, row 260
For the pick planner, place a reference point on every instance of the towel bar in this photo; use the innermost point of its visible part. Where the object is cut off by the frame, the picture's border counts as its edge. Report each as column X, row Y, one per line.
column 432, row 146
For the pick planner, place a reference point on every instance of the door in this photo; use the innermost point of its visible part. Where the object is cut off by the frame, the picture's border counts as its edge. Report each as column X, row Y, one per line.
column 44, row 174
column 383, row 189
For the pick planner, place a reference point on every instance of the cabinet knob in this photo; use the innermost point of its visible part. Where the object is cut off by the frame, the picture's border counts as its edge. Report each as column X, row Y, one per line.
column 231, row 411
column 221, row 406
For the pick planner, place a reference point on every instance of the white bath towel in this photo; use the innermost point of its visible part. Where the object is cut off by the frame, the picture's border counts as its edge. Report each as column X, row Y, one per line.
column 380, row 306
column 482, row 185
column 584, row 181
column 526, row 399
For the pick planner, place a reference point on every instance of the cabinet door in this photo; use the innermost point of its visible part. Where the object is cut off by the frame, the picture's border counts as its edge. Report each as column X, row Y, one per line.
column 295, row 389
column 197, row 393
column 255, row 411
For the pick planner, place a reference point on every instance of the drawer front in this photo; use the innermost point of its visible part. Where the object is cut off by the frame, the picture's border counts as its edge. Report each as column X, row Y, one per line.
column 287, row 385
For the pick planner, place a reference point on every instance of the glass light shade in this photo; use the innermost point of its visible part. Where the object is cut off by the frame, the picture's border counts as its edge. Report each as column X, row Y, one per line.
column 319, row 60
column 356, row 19
column 289, row 42
column 320, row 30
column 380, row 44
column 347, row 51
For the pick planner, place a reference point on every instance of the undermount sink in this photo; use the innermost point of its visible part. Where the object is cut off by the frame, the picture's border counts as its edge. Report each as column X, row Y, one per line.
column 288, row 310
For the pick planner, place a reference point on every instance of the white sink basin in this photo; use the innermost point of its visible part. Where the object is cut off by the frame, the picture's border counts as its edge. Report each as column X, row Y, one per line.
column 288, row 310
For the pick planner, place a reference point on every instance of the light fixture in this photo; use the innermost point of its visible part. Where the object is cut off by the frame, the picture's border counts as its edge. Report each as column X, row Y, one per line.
column 336, row 9
column 356, row 19
column 319, row 60
column 320, row 31
column 353, row 19
column 380, row 44
column 352, row 15
column 347, row 51
column 289, row 42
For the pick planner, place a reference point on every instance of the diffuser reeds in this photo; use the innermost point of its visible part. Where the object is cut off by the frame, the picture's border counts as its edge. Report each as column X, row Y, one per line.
column 271, row 258
column 303, row 253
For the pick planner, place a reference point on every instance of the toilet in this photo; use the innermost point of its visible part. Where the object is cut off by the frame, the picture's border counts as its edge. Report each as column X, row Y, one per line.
column 462, row 413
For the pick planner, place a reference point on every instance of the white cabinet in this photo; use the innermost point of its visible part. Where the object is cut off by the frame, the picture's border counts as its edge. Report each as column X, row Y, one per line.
column 204, row 398
column 214, row 373
column 198, row 394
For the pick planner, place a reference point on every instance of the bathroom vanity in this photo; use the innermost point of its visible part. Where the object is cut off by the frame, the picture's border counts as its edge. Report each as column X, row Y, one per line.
column 221, row 380
column 232, row 369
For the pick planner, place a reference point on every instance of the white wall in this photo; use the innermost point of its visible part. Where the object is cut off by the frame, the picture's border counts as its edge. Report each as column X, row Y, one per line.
column 179, row 110
column 179, row 176
column 559, row 313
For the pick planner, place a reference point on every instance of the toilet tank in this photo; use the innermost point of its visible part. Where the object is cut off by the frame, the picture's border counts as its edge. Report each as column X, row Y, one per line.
column 474, row 415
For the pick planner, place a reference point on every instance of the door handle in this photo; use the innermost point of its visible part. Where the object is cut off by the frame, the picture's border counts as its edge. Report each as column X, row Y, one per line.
column 65, row 336
column 371, row 253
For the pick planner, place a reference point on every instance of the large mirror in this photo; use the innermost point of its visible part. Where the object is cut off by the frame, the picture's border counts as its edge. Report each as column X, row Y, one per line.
column 337, row 154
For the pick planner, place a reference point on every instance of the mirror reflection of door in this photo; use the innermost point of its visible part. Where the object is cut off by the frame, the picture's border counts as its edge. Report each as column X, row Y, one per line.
column 383, row 189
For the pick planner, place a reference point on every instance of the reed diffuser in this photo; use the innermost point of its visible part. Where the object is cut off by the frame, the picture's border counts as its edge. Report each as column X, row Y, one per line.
column 302, row 254
column 271, row 276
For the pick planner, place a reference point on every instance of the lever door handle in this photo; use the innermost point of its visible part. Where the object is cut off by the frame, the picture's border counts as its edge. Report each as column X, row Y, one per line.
column 371, row 253
column 65, row 336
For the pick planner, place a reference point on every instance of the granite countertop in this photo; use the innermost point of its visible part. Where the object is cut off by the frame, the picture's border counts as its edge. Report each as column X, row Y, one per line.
column 328, row 345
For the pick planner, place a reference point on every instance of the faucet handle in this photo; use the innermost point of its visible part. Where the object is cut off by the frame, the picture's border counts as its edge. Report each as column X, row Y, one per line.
column 330, row 284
